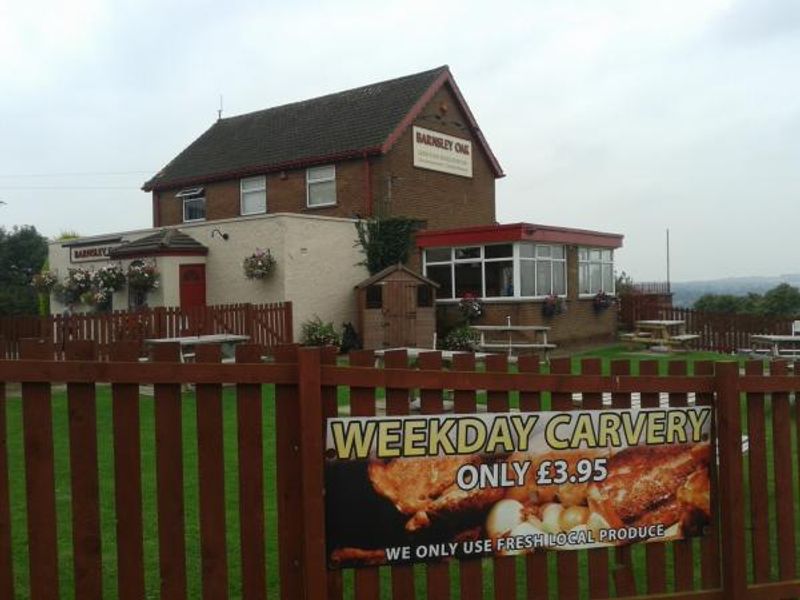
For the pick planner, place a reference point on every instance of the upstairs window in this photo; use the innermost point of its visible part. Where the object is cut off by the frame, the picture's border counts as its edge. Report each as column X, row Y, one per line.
column 253, row 192
column 321, row 186
column 596, row 270
column 194, row 204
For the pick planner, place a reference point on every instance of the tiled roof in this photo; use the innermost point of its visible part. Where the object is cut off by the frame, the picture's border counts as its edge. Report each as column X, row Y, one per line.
column 166, row 240
column 333, row 127
column 391, row 269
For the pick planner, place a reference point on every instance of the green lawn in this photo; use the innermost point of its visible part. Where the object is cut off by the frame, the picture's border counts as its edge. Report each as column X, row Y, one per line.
column 60, row 422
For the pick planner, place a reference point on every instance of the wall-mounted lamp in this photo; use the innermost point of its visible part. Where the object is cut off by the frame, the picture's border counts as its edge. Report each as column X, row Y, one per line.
column 224, row 236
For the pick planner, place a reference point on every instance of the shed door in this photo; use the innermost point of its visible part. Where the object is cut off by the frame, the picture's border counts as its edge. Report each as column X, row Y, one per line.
column 193, row 285
column 400, row 314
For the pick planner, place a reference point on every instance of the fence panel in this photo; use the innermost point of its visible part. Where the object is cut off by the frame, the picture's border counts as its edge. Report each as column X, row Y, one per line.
column 718, row 331
column 309, row 388
column 269, row 325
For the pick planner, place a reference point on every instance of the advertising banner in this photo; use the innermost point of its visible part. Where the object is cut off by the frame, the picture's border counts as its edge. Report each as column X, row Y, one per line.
column 419, row 488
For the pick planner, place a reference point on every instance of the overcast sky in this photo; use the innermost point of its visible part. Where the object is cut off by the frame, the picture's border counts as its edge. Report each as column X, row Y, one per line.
column 629, row 117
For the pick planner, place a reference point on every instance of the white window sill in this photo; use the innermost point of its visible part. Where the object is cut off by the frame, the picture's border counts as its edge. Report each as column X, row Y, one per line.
column 250, row 214
column 313, row 206
column 591, row 296
column 194, row 220
column 502, row 300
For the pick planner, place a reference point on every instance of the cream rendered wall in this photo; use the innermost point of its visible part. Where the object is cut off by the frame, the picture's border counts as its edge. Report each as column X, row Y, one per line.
column 316, row 265
column 225, row 280
column 321, row 271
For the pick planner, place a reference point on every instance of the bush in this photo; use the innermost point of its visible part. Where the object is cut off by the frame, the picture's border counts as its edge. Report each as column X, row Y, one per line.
column 462, row 338
column 317, row 333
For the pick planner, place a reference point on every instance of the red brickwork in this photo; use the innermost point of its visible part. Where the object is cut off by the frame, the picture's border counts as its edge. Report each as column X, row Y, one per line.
column 396, row 187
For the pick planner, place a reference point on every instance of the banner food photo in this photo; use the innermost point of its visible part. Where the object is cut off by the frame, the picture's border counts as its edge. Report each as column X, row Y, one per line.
column 421, row 488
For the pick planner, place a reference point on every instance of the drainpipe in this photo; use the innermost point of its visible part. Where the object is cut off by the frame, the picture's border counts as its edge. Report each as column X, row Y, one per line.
column 368, row 186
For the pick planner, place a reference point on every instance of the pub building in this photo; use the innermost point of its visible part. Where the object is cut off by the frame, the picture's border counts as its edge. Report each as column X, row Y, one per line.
column 292, row 180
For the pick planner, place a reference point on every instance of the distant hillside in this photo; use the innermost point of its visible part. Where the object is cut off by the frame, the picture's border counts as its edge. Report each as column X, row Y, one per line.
column 686, row 292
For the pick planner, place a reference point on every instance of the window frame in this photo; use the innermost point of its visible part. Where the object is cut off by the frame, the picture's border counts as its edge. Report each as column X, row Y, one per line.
column 602, row 262
column 192, row 195
column 262, row 188
column 310, row 182
column 516, row 260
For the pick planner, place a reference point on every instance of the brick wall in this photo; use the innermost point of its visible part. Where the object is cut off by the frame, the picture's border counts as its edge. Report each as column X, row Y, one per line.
column 286, row 192
column 578, row 325
column 398, row 188
column 445, row 201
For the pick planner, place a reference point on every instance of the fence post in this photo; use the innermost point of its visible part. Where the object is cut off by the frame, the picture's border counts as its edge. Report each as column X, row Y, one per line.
column 311, row 458
column 87, row 554
column 289, row 467
column 37, row 423
column 248, row 320
column 288, row 323
column 731, row 482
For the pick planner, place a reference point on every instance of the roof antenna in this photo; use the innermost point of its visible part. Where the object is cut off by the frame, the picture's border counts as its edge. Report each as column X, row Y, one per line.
column 219, row 110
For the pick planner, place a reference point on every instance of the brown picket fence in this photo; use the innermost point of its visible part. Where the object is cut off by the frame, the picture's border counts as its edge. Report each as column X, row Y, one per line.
column 750, row 550
column 266, row 324
column 719, row 332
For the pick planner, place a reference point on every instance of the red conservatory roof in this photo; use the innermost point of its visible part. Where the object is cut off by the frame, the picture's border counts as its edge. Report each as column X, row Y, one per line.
column 518, row 232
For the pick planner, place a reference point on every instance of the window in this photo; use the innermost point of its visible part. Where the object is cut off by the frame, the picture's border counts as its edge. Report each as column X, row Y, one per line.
column 321, row 186
column 595, row 270
column 194, row 204
column 543, row 270
column 253, row 191
column 374, row 296
column 498, row 270
column 424, row 296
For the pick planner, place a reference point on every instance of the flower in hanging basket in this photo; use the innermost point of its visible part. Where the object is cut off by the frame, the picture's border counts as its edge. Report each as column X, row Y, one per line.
column 108, row 279
column 44, row 281
column 77, row 282
column 470, row 307
column 602, row 301
column 142, row 277
column 259, row 265
column 552, row 305
column 98, row 299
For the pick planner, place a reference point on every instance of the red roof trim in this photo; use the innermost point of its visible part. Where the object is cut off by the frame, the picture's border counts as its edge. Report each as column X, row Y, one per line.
column 408, row 120
column 263, row 169
column 515, row 232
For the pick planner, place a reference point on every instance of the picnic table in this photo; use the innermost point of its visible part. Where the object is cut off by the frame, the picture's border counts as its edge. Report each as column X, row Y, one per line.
column 777, row 345
column 228, row 342
column 510, row 341
column 667, row 333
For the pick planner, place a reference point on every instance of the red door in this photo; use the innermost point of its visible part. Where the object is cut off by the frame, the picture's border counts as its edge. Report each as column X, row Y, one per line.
column 193, row 285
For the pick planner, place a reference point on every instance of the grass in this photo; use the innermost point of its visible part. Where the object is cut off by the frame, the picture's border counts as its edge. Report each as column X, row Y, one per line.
column 107, row 508
column 108, row 515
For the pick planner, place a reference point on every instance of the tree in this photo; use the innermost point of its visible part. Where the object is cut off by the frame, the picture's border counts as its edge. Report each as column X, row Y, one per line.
column 385, row 242
column 23, row 251
column 782, row 301
column 720, row 303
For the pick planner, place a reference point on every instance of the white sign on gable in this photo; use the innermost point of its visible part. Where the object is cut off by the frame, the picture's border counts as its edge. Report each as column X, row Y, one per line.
column 441, row 152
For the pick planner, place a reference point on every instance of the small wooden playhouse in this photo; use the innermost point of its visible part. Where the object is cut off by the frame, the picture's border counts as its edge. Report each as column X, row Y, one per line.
column 397, row 308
